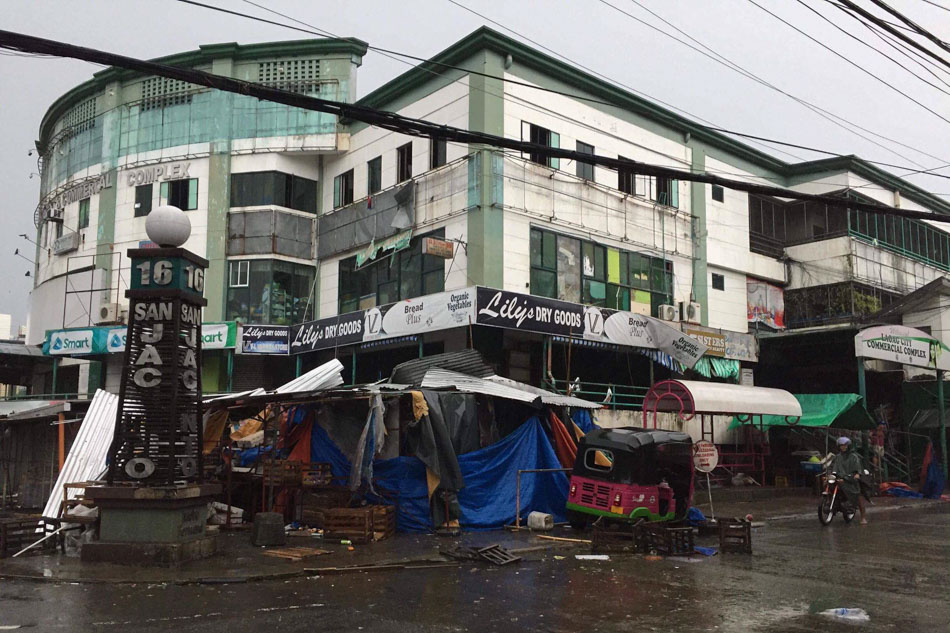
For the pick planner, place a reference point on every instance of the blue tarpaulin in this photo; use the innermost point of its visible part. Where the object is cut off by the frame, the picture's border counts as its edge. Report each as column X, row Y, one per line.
column 583, row 420
column 488, row 496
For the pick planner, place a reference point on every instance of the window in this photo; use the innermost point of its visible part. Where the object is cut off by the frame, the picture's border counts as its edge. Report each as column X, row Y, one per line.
column 59, row 230
column 404, row 163
column 393, row 277
column 260, row 188
column 84, row 213
column 269, row 291
column 667, row 192
column 585, row 170
column 541, row 136
column 544, row 264
column 718, row 281
column 180, row 193
column 374, row 175
column 626, row 179
column 571, row 269
column 437, row 151
column 911, row 238
column 598, row 460
column 718, row 194
column 343, row 189
column 143, row 200
column 238, row 273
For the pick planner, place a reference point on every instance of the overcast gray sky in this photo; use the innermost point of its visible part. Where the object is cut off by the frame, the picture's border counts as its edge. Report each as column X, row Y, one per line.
column 589, row 32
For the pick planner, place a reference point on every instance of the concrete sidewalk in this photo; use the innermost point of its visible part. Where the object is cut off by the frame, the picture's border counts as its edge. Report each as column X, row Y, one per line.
column 238, row 561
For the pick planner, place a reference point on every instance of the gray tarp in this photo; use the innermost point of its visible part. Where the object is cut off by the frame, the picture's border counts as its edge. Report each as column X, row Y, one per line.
column 357, row 224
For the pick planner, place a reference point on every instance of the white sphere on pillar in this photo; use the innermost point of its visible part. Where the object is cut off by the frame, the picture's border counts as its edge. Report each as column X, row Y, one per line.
column 168, row 226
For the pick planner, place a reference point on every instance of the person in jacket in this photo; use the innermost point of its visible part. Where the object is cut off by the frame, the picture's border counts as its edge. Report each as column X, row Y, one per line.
column 847, row 464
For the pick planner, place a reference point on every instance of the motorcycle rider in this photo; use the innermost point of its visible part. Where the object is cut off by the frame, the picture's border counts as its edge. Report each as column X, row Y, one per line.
column 847, row 464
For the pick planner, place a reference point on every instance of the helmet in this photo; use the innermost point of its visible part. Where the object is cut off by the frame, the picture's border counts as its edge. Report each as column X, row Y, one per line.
column 844, row 441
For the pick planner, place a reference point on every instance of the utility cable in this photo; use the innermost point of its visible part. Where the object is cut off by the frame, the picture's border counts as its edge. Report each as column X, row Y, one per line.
column 876, row 50
column 391, row 53
column 826, row 114
column 415, row 127
column 852, row 63
column 917, row 28
column 887, row 27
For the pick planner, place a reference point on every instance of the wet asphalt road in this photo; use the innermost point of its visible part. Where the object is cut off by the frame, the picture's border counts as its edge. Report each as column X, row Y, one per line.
column 897, row 568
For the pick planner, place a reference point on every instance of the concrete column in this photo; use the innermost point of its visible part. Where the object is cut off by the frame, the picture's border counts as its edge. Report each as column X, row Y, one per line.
column 697, row 202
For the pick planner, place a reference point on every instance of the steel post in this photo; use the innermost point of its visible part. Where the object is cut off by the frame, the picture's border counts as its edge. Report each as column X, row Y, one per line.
column 941, row 411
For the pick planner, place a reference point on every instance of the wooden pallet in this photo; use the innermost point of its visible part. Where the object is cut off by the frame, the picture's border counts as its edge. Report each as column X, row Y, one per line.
column 295, row 553
column 360, row 525
column 283, row 473
column 15, row 534
column 655, row 537
column 317, row 474
column 617, row 538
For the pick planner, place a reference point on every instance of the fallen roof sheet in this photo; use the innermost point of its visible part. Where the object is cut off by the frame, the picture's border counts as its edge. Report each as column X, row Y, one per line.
column 326, row 376
column 468, row 362
column 87, row 456
column 547, row 397
column 437, row 378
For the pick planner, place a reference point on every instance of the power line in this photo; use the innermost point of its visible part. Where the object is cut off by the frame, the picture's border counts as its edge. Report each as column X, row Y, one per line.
column 876, row 50
column 396, row 55
column 939, row 6
column 916, row 27
column 887, row 27
column 416, row 127
column 826, row 114
column 849, row 61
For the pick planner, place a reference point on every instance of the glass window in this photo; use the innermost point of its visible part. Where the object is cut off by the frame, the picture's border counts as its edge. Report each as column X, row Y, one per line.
column 404, row 162
column 59, row 230
column 437, row 152
column 626, row 179
column 541, row 136
column 585, row 170
column 667, row 191
column 84, row 213
column 374, row 175
column 180, row 193
column 390, row 278
column 718, row 193
column 343, row 189
column 595, row 293
column 237, row 273
column 598, row 460
column 303, row 195
column 718, row 281
column 143, row 200
column 250, row 189
column 544, row 263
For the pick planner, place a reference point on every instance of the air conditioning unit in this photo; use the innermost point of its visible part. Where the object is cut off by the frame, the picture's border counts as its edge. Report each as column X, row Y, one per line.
column 668, row 313
column 694, row 313
column 108, row 313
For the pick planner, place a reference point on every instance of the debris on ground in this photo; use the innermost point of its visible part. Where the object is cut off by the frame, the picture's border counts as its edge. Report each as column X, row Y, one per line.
column 847, row 614
column 295, row 554
column 591, row 556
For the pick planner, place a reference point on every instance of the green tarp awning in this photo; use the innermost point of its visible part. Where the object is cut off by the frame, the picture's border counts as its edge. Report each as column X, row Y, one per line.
column 821, row 410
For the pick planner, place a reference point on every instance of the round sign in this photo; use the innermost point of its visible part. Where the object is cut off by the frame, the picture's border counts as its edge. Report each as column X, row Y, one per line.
column 705, row 456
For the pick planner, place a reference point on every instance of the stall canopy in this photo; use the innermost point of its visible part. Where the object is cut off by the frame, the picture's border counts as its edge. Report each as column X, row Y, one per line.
column 688, row 397
column 824, row 410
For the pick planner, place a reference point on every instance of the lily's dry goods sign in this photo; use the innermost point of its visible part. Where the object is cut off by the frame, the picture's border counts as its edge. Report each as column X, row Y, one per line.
column 156, row 438
column 265, row 339
column 430, row 313
column 530, row 313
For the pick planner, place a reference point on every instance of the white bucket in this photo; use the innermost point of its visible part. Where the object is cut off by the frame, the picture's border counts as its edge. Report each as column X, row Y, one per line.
column 540, row 521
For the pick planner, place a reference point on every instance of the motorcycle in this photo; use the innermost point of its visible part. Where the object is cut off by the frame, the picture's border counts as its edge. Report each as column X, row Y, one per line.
column 832, row 501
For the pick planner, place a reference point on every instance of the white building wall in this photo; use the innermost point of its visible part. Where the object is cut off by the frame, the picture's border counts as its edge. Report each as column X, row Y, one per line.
column 728, row 308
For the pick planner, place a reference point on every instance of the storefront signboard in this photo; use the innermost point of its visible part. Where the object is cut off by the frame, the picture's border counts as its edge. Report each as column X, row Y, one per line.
column 530, row 313
column 430, row 313
column 112, row 339
column 713, row 339
column 265, row 339
column 904, row 345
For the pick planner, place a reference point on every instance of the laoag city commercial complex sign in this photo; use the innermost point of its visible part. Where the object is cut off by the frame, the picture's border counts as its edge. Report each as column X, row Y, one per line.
column 903, row 345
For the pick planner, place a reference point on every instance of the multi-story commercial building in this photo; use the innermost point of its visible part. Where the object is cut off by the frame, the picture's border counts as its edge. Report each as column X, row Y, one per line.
column 312, row 220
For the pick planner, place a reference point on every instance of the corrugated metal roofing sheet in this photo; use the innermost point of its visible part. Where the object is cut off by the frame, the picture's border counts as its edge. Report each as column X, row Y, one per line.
column 326, row 376
column 87, row 456
column 19, row 349
column 468, row 362
column 547, row 397
column 437, row 378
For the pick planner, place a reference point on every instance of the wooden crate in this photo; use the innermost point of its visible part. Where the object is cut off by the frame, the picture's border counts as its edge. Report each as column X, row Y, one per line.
column 360, row 525
column 616, row 538
column 317, row 474
column 15, row 534
column 283, row 473
column 735, row 536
